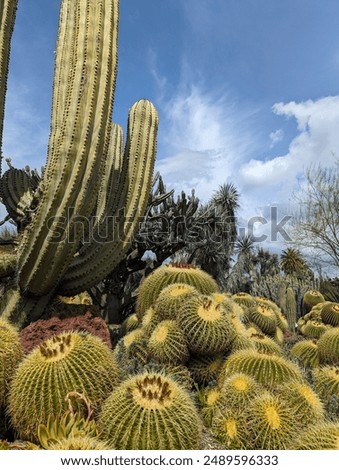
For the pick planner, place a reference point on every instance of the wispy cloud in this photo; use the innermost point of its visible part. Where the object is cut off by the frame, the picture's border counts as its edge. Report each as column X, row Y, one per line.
column 275, row 137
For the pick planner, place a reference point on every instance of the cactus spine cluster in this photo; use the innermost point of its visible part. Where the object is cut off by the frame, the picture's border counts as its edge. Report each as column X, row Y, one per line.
column 11, row 353
column 150, row 411
column 65, row 363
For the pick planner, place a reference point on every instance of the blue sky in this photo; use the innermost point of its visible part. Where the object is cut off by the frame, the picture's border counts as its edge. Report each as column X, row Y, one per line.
column 247, row 90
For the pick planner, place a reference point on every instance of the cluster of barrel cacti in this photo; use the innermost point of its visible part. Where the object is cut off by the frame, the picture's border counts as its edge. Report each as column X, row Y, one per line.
column 191, row 359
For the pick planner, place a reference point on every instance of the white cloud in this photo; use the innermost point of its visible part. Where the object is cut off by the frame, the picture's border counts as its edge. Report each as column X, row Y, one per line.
column 317, row 142
column 276, row 136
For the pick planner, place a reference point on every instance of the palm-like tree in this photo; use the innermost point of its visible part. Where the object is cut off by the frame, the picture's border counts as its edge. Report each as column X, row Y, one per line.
column 267, row 264
column 293, row 264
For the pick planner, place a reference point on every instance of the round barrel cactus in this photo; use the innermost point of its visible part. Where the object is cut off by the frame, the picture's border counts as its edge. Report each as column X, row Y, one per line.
column 312, row 298
column 272, row 424
column 326, row 381
column 167, row 343
column 238, row 390
column 306, row 352
column 69, row 362
column 170, row 299
column 330, row 314
column 205, row 369
column 314, row 329
column 229, row 427
column 206, row 325
column 328, row 346
column 263, row 316
column 322, row 436
column 150, row 411
column 165, row 275
column 267, row 369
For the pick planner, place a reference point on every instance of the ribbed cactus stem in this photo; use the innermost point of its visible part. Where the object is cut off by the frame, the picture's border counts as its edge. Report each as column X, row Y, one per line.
column 83, row 108
column 7, row 19
column 98, row 259
column 291, row 309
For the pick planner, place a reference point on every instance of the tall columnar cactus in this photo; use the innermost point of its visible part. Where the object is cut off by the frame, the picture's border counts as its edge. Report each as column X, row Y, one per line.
column 7, row 18
column 92, row 189
column 150, row 411
column 291, row 309
column 65, row 363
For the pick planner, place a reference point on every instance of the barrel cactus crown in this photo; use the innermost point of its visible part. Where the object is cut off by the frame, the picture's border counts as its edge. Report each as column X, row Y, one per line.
column 11, row 354
column 271, row 422
column 267, row 369
column 245, row 299
column 165, row 275
column 306, row 352
column 330, row 314
column 263, row 316
column 170, row 299
column 322, row 436
column 65, row 363
column 238, row 390
column 206, row 325
column 167, row 343
column 328, row 346
column 150, row 411
column 312, row 298
column 314, row 329
column 265, row 344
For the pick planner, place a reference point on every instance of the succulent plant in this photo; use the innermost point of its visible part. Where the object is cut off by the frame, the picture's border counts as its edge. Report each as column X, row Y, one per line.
column 330, row 314
column 263, row 316
column 271, row 422
column 65, row 363
column 163, row 276
column 80, row 443
column 312, row 298
column 306, row 352
column 265, row 344
column 267, row 369
column 170, row 299
column 167, row 343
column 306, row 404
column 314, row 329
column 238, row 390
column 131, row 352
column 205, row 369
column 11, row 353
column 209, row 399
column 206, row 325
column 150, row 411
column 242, row 298
column 149, row 321
column 326, row 381
column 129, row 324
column 229, row 427
column 328, row 346
column 322, row 436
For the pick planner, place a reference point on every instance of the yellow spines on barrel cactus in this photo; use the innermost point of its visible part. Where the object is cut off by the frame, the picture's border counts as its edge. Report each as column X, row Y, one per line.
column 149, row 321
column 150, row 411
column 312, row 298
column 131, row 352
column 237, row 390
column 330, row 314
column 328, row 346
column 7, row 19
column 326, row 381
column 165, row 275
column 245, row 299
column 205, row 369
column 11, row 354
column 64, row 363
column 265, row 344
column 271, row 422
column 321, row 436
column 229, row 427
column 170, row 299
column 129, row 324
column 306, row 352
column 206, row 325
column 263, row 316
column 305, row 402
column 167, row 343
column 267, row 369
column 314, row 329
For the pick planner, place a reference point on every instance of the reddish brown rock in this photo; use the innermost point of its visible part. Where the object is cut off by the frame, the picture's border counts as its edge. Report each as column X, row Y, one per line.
column 39, row 331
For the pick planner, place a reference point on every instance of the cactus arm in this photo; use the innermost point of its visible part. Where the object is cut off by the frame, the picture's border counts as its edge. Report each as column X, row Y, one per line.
column 7, row 19
column 99, row 259
column 73, row 174
column 113, row 167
